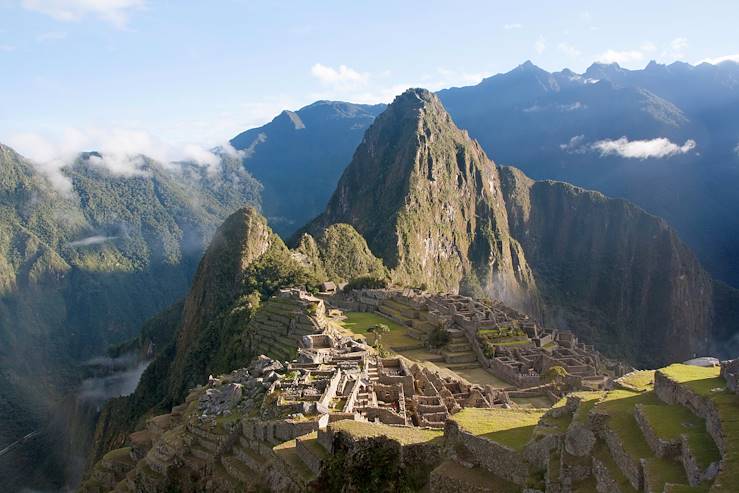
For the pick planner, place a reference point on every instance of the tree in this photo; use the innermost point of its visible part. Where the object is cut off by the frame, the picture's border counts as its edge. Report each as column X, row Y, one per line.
column 378, row 330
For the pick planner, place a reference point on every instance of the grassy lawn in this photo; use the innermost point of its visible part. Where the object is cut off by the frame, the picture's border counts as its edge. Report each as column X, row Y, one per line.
column 670, row 422
column 360, row 322
column 405, row 435
column 602, row 454
column 639, row 381
column 588, row 402
column 707, row 383
column 532, row 402
column 476, row 477
column 619, row 405
column 509, row 427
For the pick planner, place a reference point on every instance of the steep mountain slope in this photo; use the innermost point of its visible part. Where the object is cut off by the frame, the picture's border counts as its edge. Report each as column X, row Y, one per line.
column 621, row 277
column 81, row 271
column 245, row 264
column 299, row 156
column 549, row 124
column 427, row 200
column 340, row 254
column 436, row 209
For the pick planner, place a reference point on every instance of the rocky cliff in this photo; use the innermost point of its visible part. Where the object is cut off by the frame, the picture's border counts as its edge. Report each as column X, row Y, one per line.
column 428, row 201
column 619, row 276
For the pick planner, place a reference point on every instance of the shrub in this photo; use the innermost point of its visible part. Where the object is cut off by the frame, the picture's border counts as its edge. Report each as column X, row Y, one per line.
column 437, row 338
column 366, row 282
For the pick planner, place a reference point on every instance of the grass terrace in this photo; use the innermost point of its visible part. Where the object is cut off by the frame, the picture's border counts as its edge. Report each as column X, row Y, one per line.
column 405, row 435
column 508, row 427
column 638, row 381
column 707, row 383
column 359, row 323
column 670, row 422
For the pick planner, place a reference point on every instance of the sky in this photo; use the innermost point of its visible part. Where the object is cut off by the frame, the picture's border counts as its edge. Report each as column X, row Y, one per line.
column 174, row 78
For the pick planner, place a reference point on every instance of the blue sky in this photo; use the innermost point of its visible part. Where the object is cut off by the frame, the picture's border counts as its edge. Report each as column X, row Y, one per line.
column 164, row 77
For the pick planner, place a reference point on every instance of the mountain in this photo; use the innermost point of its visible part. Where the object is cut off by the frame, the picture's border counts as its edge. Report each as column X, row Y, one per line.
column 245, row 264
column 438, row 212
column 577, row 127
column 621, row 278
column 82, row 270
column 299, row 156
column 427, row 200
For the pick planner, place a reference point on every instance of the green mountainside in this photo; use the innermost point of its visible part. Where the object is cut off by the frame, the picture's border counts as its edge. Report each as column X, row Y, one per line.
column 81, row 271
column 441, row 215
column 427, row 200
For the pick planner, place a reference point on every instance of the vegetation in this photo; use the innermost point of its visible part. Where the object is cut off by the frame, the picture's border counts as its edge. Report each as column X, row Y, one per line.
column 508, row 427
column 360, row 322
column 378, row 330
column 437, row 337
column 366, row 282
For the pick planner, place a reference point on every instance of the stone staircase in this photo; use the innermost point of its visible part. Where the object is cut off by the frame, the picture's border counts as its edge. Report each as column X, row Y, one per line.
column 458, row 353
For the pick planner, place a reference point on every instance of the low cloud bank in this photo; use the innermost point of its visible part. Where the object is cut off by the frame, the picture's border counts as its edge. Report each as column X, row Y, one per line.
column 642, row 149
column 91, row 240
column 120, row 151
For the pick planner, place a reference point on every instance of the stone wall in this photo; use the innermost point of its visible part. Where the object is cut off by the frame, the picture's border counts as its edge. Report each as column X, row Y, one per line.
column 661, row 448
column 498, row 459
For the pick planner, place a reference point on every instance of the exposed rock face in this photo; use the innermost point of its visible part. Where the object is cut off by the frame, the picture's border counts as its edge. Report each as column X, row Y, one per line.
column 618, row 275
column 428, row 202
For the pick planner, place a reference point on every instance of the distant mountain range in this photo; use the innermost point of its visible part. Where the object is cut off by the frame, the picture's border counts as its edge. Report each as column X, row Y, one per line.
column 299, row 156
column 82, row 271
column 440, row 215
column 664, row 137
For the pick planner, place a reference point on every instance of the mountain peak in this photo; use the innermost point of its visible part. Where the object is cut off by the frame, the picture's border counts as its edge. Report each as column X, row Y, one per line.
column 426, row 198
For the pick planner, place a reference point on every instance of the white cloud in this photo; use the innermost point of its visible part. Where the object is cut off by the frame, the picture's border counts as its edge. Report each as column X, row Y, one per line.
column 114, row 11
column 91, row 240
column 575, row 144
column 341, row 77
column 515, row 25
column 736, row 149
column 621, row 57
column 384, row 91
column 568, row 50
column 540, row 45
column 642, row 149
column 679, row 44
column 121, row 151
column 721, row 59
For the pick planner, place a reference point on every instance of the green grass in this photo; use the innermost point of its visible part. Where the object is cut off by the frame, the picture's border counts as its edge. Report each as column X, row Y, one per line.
column 405, row 435
column 360, row 322
column 512, row 428
column 639, row 381
column 670, row 422
column 476, row 477
column 619, row 405
column 707, row 383
column 589, row 400
column 658, row 472
column 624, row 485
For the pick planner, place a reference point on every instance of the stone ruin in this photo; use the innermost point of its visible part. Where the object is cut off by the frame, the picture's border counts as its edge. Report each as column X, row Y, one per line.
column 341, row 378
